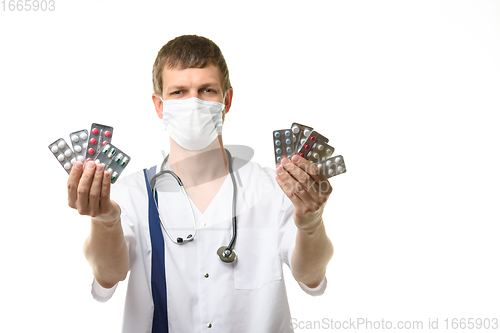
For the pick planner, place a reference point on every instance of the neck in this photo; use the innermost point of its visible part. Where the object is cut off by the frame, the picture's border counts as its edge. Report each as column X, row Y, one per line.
column 201, row 166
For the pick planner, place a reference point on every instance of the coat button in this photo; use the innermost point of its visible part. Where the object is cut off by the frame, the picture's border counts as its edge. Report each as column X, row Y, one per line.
column 209, row 325
column 206, row 275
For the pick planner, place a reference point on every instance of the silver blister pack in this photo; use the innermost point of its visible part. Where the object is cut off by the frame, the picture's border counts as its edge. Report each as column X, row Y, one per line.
column 316, row 148
column 79, row 141
column 63, row 153
column 332, row 166
column 114, row 160
column 301, row 133
column 99, row 136
column 283, row 145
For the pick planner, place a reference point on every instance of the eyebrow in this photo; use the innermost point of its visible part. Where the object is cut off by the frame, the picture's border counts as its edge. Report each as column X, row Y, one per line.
column 204, row 85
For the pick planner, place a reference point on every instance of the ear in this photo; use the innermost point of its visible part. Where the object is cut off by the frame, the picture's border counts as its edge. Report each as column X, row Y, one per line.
column 158, row 105
column 228, row 100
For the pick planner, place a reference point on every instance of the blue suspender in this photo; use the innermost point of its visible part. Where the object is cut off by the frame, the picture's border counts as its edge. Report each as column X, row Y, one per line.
column 158, row 279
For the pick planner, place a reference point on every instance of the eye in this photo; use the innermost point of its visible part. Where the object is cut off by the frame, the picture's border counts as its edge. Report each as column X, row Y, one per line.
column 209, row 91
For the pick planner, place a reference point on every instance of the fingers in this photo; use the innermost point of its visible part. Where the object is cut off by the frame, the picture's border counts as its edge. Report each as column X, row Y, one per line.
column 305, row 180
column 73, row 180
column 95, row 191
column 292, row 187
column 89, row 188
column 105, row 192
column 82, row 201
column 289, row 192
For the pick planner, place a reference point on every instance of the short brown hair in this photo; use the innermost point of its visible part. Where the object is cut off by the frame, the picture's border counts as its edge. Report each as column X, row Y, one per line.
column 189, row 51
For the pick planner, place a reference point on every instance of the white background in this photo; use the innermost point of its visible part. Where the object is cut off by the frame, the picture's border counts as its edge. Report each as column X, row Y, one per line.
column 406, row 91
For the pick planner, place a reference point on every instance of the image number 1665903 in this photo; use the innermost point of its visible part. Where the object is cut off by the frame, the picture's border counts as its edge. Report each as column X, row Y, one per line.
column 27, row 5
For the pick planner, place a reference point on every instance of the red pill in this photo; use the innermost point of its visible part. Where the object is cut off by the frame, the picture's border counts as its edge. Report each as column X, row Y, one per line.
column 91, row 151
column 312, row 138
column 93, row 141
column 105, row 143
column 95, row 131
column 301, row 154
column 89, row 159
column 107, row 134
column 306, row 146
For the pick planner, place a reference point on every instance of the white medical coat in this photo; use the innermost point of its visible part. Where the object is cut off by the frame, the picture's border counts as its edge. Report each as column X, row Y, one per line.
column 203, row 293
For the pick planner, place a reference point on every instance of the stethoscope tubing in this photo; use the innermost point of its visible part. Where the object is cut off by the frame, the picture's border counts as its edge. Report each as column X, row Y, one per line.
column 228, row 251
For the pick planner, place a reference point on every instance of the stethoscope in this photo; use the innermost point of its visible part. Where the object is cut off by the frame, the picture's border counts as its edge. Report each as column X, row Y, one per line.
column 225, row 253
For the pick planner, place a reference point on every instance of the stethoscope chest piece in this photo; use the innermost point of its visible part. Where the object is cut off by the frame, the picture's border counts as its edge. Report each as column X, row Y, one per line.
column 226, row 255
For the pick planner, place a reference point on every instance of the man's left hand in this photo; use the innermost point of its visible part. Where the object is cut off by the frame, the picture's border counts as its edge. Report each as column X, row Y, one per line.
column 307, row 188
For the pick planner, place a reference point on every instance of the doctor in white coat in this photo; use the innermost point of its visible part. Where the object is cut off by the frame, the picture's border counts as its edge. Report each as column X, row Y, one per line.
column 176, row 285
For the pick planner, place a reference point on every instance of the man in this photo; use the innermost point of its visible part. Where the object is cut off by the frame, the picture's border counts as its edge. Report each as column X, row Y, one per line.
column 179, row 285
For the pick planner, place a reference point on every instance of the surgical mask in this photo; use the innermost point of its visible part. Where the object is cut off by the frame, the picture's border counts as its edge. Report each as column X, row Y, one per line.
column 193, row 123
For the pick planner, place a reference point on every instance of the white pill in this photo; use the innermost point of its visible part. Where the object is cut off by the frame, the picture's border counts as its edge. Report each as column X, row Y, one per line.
column 338, row 159
column 320, row 166
column 54, row 149
column 329, row 163
column 80, row 158
column 315, row 155
column 60, row 158
column 340, row 169
column 302, row 141
column 73, row 160
column 74, row 138
column 61, row 144
column 85, row 145
column 77, row 148
column 67, row 165
column 295, row 129
column 331, row 172
column 329, row 151
column 307, row 132
column 320, row 147
column 68, row 152
column 83, row 136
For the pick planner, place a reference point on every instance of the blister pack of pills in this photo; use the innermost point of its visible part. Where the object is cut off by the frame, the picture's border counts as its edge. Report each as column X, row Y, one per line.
column 283, row 145
column 88, row 147
column 63, row 153
column 79, row 141
column 114, row 160
column 332, row 166
column 310, row 145
column 100, row 136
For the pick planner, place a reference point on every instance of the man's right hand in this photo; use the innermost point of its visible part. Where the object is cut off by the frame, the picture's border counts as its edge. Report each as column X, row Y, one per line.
column 89, row 192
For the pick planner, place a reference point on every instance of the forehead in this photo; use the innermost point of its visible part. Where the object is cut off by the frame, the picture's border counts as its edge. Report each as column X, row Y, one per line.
column 209, row 74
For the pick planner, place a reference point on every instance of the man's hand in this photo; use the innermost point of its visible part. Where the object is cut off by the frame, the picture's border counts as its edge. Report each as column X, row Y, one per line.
column 307, row 188
column 89, row 193
column 105, row 248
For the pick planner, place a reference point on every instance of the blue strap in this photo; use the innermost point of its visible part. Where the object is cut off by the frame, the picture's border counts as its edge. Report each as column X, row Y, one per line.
column 158, row 279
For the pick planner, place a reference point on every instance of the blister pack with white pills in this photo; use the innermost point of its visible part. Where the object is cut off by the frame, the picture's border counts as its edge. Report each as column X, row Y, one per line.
column 283, row 145
column 63, row 153
column 114, row 160
column 100, row 136
column 332, row 166
column 79, row 142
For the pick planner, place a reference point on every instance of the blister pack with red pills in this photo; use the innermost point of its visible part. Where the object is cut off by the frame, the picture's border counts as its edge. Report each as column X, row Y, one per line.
column 89, row 146
column 302, row 140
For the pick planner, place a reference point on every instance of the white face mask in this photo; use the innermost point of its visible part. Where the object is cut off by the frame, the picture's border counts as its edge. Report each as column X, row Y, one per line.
column 192, row 123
